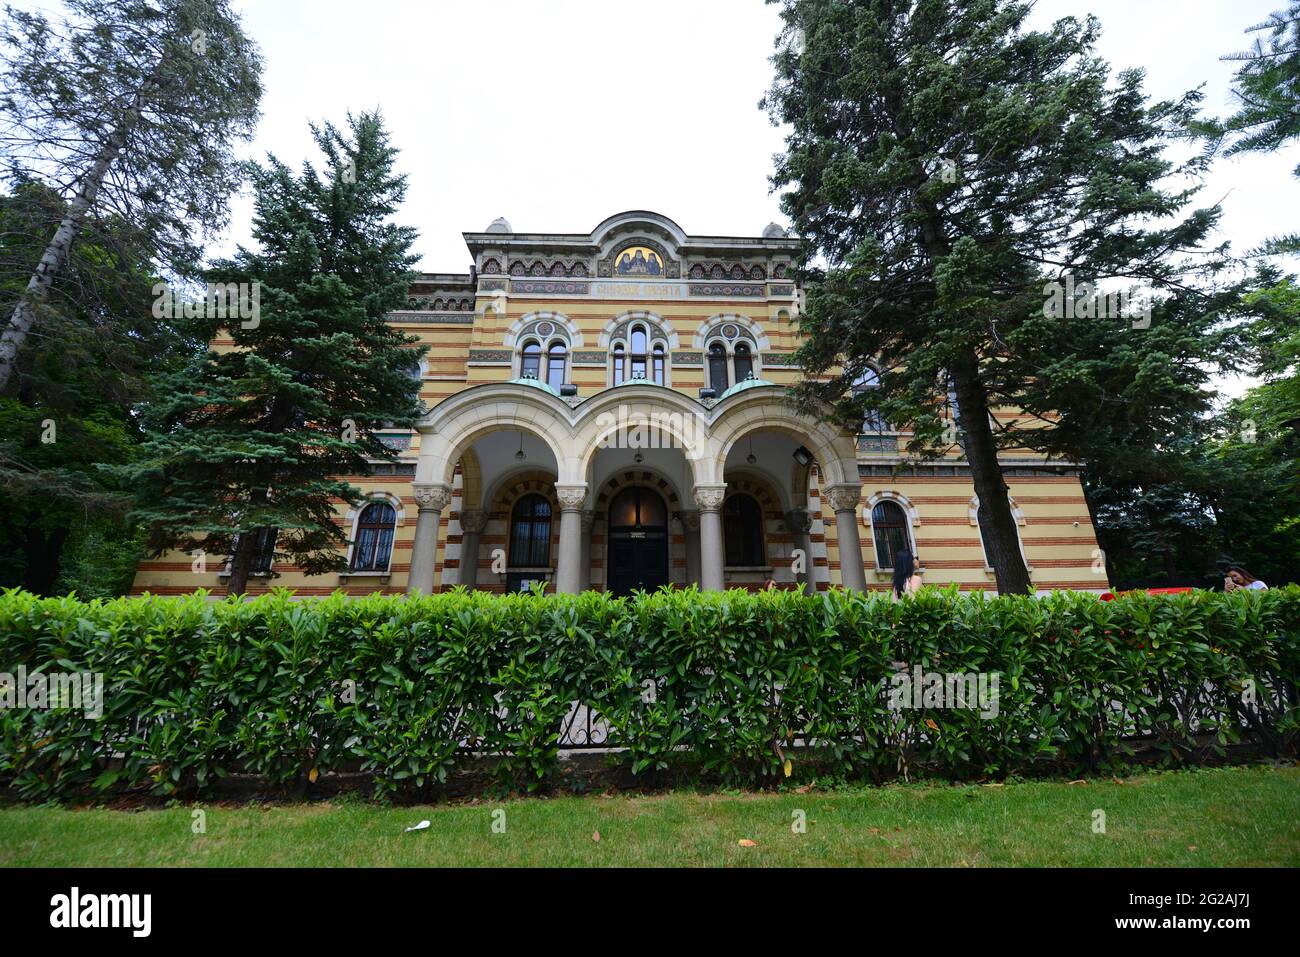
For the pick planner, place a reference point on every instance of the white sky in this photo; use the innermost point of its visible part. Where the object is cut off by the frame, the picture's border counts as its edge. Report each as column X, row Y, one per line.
column 557, row 114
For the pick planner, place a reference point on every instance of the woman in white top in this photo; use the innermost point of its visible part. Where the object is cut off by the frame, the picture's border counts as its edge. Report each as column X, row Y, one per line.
column 907, row 577
column 1239, row 578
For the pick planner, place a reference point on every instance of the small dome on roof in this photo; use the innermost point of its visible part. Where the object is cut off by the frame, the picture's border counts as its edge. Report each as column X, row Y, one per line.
column 749, row 383
column 536, row 384
column 500, row 225
column 774, row 231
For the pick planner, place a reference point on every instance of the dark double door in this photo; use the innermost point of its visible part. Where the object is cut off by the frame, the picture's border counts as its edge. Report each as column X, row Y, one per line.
column 636, row 544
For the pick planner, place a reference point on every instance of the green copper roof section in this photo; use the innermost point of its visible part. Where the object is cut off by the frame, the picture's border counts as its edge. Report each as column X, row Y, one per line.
column 535, row 383
column 742, row 385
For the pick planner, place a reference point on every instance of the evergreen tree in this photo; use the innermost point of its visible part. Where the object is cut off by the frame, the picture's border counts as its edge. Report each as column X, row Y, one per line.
column 131, row 110
column 1267, row 88
column 250, row 441
column 81, row 374
column 944, row 166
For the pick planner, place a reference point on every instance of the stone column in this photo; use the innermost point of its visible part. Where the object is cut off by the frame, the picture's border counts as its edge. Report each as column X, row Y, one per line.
column 844, row 500
column 584, row 575
column 568, row 577
column 800, row 524
column 709, row 499
column 431, row 499
column 691, row 527
column 472, row 523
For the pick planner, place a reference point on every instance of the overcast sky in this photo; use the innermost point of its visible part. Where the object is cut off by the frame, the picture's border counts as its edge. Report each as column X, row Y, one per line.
column 559, row 113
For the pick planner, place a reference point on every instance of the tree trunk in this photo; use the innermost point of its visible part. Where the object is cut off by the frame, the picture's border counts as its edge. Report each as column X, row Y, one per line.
column 997, row 523
column 241, row 563
column 54, row 257
column 44, row 550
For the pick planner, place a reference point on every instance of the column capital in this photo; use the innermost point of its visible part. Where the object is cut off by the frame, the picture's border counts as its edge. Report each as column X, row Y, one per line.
column 709, row 497
column 844, row 498
column 432, row 498
column 473, row 520
column 571, row 497
column 798, row 520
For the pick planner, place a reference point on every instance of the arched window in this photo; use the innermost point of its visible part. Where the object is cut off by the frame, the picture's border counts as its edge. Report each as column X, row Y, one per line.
column 742, row 530
column 744, row 362
column 531, row 365
column 872, row 420
column 889, row 532
column 555, row 365
column 620, row 363
column 374, row 543
column 530, row 532
column 637, row 350
column 717, row 368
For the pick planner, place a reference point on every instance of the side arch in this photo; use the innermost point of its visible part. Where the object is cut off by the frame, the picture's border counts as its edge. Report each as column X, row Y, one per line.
column 765, row 409
column 453, row 426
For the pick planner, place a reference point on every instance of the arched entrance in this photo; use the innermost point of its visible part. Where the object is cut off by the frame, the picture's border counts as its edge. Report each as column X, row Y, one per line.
column 637, row 546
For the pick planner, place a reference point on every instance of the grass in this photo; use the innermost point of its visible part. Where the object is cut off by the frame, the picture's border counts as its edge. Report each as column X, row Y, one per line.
column 1204, row 818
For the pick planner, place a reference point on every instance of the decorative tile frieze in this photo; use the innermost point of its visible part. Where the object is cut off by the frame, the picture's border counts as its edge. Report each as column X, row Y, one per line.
column 438, row 318
column 490, row 355
column 755, row 291
column 787, row 360
column 535, row 287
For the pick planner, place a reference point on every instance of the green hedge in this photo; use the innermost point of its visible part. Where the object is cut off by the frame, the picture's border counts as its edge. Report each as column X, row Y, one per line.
column 749, row 687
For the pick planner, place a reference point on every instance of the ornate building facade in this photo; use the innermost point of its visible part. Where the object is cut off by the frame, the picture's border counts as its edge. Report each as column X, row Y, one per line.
column 608, row 411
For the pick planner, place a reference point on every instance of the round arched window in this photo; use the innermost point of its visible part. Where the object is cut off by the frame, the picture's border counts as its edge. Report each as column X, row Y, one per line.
column 555, row 365
column 744, row 362
column 718, row 368
column 530, row 366
column 889, row 532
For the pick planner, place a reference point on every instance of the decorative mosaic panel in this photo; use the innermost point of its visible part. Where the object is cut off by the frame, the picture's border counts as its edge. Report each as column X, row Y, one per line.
column 490, row 355
column 592, row 357
column 688, row 358
column 439, row 318
column 783, row 290
column 550, row 287
column 878, row 444
column 615, row 265
column 780, row 359
column 492, row 285
column 727, row 289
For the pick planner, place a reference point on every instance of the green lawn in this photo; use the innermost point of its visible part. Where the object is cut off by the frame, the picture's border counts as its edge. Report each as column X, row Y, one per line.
column 1230, row 816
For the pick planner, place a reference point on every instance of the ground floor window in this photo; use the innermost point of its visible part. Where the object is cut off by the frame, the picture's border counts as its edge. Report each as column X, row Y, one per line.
column 889, row 532
column 374, row 544
column 742, row 530
column 530, row 532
